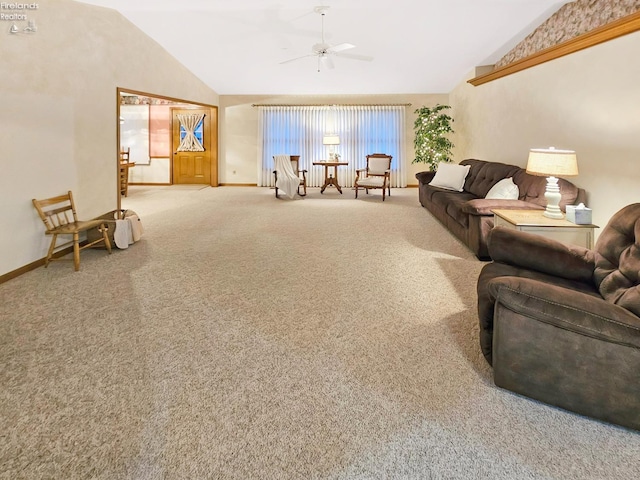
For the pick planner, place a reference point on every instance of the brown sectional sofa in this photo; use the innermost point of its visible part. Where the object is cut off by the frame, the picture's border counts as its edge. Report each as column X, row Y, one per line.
column 467, row 214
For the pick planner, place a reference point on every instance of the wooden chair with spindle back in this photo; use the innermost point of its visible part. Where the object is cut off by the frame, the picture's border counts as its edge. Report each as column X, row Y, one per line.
column 125, row 165
column 59, row 217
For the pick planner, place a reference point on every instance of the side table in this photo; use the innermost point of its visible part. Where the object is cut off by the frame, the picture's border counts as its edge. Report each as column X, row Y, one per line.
column 330, row 178
column 534, row 221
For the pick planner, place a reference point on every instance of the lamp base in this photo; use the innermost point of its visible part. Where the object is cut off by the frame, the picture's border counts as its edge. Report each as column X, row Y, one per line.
column 551, row 214
column 552, row 194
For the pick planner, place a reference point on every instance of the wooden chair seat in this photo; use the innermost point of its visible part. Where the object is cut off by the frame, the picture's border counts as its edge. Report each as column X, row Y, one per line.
column 79, row 226
column 59, row 217
column 371, row 182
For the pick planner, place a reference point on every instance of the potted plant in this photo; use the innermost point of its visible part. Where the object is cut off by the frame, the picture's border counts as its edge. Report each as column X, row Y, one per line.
column 430, row 143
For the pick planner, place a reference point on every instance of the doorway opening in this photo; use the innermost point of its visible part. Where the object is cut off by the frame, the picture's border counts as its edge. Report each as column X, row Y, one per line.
column 169, row 141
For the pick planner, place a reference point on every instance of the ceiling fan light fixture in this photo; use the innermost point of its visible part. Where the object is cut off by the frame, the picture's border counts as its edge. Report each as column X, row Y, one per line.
column 321, row 9
column 323, row 50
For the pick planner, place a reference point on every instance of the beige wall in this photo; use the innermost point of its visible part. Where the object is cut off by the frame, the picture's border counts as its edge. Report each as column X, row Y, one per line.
column 58, row 117
column 239, row 129
column 588, row 101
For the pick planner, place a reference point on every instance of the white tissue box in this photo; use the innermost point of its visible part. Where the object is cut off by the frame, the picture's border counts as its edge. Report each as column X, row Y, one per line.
column 579, row 216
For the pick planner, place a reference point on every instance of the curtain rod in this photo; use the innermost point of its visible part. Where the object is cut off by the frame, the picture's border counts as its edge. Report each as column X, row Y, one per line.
column 330, row 104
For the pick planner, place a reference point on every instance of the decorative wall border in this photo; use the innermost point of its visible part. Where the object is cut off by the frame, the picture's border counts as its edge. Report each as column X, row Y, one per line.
column 618, row 28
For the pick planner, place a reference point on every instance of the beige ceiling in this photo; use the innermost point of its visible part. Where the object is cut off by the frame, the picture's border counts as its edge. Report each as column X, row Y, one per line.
column 418, row 46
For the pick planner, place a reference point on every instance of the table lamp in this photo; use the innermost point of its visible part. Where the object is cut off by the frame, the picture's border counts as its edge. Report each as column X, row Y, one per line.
column 552, row 163
column 332, row 141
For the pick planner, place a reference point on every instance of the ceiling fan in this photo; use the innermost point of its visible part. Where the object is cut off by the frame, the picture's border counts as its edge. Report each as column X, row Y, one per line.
column 325, row 51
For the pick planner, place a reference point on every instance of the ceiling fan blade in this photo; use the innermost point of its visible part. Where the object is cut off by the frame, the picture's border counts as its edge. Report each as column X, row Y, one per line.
column 301, row 16
column 297, row 58
column 327, row 62
column 353, row 56
column 340, row 47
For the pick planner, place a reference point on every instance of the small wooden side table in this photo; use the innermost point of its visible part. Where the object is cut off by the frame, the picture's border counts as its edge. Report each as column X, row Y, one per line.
column 330, row 178
column 534, row 221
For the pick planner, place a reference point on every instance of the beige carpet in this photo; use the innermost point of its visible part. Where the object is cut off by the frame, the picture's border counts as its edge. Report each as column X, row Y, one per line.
column 252, row 338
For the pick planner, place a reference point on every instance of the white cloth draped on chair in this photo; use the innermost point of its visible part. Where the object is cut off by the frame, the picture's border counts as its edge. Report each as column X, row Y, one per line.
column 287, row 181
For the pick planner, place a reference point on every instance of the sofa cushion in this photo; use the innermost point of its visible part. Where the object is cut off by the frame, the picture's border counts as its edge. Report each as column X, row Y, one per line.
column 456, row 213
column 617, row 272
column 450, row 176
column 443, row 198
column 451, row 203
column 531, row 187
column 504, row 189
column 485, row 206
column 484, row 175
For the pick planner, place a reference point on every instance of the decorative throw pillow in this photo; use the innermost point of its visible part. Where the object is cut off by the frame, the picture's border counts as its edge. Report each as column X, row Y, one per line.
column 504, row 189
column 450, row 176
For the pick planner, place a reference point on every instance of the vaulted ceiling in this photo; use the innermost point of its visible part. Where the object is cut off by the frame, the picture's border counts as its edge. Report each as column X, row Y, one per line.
column 417, row 46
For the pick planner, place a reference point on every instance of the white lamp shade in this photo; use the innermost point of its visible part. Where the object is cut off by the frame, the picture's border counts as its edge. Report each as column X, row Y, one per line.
column 552, row 162
column 331, row 140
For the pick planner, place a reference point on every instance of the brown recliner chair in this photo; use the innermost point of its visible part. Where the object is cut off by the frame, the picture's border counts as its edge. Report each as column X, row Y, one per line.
column 561, row 324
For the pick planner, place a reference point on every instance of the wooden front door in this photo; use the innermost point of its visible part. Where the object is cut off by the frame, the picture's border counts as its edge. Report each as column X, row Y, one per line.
column 192, row 144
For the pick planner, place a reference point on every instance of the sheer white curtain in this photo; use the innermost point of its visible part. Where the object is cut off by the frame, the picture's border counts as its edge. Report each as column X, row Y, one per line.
column 298, row 130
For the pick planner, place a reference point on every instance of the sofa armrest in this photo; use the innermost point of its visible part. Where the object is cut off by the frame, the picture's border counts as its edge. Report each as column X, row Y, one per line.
column 425, row 177
column 566, row 348
column 567, row 309
column 484, row 206
column 535, row 252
